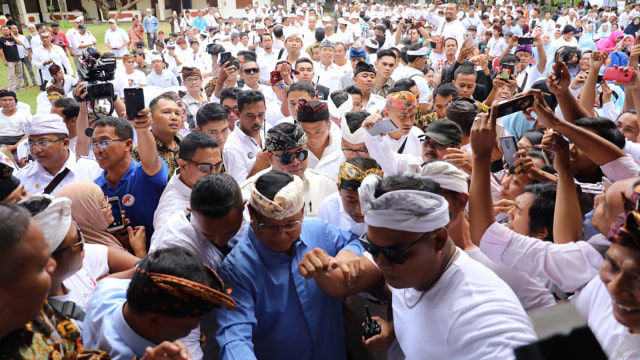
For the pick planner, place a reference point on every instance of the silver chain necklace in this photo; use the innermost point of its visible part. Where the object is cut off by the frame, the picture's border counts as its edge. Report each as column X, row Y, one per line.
column 404, row 291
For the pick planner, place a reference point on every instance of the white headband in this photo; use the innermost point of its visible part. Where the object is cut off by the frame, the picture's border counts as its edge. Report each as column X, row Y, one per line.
column 404, row 210
column 449, row 176
column 287, row 202
column 353, row 138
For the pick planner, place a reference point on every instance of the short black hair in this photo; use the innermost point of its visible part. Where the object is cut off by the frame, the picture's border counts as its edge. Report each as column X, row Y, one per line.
column 465, row 70
column 386, row 52
column 70, row 107
column 302, row 60
column 445, row 90
column 169, row 95
column 450, row 38
column 215, row 195
column 271, row 182
column 210, row 112
column 319, row 34
column 302, row 86
column 508, row 59
column 534, row 136
column 194, row 141
column 355, row 119
column 121, row 126
column 14, row 224
column 36, row 205
column 403, row 85
column 405, row 182
column 364, row 163
column 248, row 55
column 229, row 93
column 246, row 97
column 605, row 128
column 541, row 211
column 353, row 90
column 175, row 261
column 265, row 34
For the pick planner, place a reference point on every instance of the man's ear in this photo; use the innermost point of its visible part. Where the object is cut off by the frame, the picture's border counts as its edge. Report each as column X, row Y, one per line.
column 440, row 236
column 385, row 112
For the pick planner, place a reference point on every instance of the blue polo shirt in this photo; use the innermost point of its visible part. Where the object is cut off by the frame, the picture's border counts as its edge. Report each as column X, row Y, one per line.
column 138, row 192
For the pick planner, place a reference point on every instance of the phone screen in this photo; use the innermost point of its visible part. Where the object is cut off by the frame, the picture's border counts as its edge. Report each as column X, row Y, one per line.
column 383, row 126
column 515, row 105
column 118, row 222
column 506, row 70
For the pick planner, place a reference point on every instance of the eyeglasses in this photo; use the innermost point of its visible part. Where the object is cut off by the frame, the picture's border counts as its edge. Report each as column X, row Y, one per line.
column 251, row 71
column 355, row 151
column 287, row 158
column 102, row 144
column 192, row 80
column 290, row 226
column 77, row 246
column 393, row 255
column 42, row 143
column 207, row 167
column 54, row 96
column 229, row 110
column 130, row 61
column 434, row 144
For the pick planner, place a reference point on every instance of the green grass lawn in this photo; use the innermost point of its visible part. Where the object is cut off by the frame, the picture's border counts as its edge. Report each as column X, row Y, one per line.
column 28, row 95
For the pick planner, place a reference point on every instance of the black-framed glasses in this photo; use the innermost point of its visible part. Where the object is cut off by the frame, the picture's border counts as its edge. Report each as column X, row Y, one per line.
column 287, row 158
column 77, row 246
column 356, row 151
column 42, row 143
column 393, row 255
column 251, row 71
column 208, row 167
column 290, row 226
column 102, row 144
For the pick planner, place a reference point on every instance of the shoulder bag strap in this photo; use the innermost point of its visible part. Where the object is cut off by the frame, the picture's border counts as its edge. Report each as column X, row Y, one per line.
column 56, row 181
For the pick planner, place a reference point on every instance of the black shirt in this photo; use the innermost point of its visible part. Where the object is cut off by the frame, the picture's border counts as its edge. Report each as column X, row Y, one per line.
column 10, row 49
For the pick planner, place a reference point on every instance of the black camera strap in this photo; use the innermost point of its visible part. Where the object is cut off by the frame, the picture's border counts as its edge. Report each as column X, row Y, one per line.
column 56, row 181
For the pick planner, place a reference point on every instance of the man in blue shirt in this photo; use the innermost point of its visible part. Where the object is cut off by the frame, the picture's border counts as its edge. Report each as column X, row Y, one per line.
column 169, row 293
column 200, row 22
column 150, row 25
column 280, row 314
column 138, row 185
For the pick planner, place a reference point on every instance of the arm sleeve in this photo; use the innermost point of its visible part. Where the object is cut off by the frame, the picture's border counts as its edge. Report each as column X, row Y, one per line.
column 235, row 327
column 390, row 161
column 632, row 149
column 570, row 266
column 621, row 168
column 344, row 240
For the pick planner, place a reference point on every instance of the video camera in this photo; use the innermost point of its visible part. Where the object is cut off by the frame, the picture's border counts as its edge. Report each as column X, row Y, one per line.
column 98, row 72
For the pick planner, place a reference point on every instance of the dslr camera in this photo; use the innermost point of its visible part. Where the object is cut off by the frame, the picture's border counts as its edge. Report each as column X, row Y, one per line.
column 97, row 72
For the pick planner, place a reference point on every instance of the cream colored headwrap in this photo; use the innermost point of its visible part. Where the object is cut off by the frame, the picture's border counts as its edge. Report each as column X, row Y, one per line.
column 287, row 202
column 353, row 138
column 405, row 210
column 449, row 176
column 342, row 110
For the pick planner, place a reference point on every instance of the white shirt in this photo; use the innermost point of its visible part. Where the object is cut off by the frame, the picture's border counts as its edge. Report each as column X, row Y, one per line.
column 317, row 187
column 135, row 79
column 164, row 80
column 453, row 29
column 22, row 49
column 477, row 316
column 496, row 46
column 423, row 86
column 272, row 103
column 329, row 163
column 174, row 199
column 385, row 151
column 328, row 76
column 78, row 40
column 240, row 153
column 548, row 26
column 14, row 125
column 35, row 177
column 332, row 211
column 116, row 38
column 40, row 55
column 375, row 104
column 532, row 74
column 266, row 62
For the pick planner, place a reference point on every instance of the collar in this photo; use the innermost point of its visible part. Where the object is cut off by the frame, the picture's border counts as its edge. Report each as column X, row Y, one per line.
column 102, row 180
column 270, row 257
column 134, row 341
column 163, row 148
column 69, row 164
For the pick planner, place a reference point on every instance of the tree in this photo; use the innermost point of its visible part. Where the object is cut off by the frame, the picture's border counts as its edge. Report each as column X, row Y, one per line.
column 103, row 5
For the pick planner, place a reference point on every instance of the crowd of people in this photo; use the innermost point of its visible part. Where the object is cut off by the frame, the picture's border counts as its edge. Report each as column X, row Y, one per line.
column 449, row 168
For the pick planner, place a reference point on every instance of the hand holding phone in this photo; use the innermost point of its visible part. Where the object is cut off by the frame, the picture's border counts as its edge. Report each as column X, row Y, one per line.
column 225, row 57
column 506, row 70
column 621, row 75
column 515, row 105
column 116, row 211
column 525, row 41
column 133, row 101
column 509, row 149
column 371, row 327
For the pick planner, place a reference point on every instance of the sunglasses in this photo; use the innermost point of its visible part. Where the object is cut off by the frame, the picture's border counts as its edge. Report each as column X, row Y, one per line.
column 393, row 255
column 251, row 71
column 77, row 246
column 208, row 167
column 287, row 158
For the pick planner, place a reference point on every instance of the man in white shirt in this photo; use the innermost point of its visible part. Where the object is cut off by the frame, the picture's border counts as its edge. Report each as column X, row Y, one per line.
column 326, row 71
column 199, row 155
column 130, row 77
column 159, row 76
column 244, row 144
column 416, row 60
column 79, row 42
column 548, row 25
column 323, row 143
column 55, row 164
column 47, row 55
column 449, row 26
column 116, row 39
column 266, row 56
column 13, row 120
column 250, row 73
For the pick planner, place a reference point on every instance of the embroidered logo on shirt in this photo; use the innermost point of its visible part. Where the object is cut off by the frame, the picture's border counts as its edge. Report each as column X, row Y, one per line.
column 128, row 200
column 250, row 155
